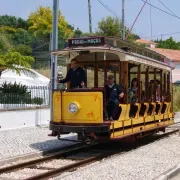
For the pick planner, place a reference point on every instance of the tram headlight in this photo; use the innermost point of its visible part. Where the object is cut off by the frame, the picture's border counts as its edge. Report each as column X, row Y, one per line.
column 73, row 107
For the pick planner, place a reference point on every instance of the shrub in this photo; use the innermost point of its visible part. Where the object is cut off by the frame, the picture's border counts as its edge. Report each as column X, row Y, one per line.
column 14, row 88
column 37, row 100
column 14, row 94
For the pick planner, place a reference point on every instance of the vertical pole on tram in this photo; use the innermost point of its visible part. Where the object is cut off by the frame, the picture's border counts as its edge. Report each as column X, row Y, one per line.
column 123, row 20
column 54, row 46
column 90, row 17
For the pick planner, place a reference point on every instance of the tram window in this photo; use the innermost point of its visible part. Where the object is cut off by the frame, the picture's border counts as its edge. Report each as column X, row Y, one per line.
column 133, row 74
column 90, row 78
column 89, row 70
column 100, row 78
column 117, row 77
column 101, row 69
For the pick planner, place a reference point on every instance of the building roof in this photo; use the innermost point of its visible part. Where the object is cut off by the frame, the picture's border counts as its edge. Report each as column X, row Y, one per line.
column 169, row 53
column 144, row 41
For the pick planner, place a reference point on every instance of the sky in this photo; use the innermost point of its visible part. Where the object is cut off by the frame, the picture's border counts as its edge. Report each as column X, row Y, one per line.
column 76, row 13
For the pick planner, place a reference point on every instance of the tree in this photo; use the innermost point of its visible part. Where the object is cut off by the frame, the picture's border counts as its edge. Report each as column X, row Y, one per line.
column 10, row 58
column 23, row 50
column 18, row 35
column 77, row 33
column 15, row 61
column 110, row 26
column 13, row 21
column 22, row 36
column 5, row 43
column 168, row 44
column 40, row 23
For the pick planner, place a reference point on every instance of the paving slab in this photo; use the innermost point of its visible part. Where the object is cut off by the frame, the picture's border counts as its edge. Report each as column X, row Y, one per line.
column 29, row 140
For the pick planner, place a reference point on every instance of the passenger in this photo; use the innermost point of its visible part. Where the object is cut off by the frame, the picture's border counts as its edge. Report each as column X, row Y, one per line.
column 158, row 91
column 151, row 90
column 75, row 75
column 113, row 94
column 133, row 91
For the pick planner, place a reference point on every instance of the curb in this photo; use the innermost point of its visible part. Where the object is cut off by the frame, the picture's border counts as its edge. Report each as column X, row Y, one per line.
column 167, row 175
column 35, row 155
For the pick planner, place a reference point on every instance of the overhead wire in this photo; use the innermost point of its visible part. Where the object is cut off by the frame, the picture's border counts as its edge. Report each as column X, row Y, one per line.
column 167, row 7
column 168, row 34
column 161, row 10
column 113, row 12
column 136, row 19
column 41, row 46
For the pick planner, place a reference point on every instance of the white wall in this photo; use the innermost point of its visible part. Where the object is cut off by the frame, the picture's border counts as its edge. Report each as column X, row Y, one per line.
column 23, row 118
column 176, row 73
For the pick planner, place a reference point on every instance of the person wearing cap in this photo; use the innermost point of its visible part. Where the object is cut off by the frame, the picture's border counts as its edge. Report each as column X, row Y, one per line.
column 113, row 93
column 76, row 76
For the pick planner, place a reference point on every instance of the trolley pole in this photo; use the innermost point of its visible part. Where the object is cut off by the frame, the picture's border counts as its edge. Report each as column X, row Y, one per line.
column 123, row 26
column 54, row 46
column 90, row 17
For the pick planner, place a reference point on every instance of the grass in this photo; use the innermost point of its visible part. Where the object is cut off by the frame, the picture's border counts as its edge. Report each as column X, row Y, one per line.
column 176, row 98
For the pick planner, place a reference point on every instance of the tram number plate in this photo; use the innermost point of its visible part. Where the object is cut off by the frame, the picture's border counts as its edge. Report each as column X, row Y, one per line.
column 90, row 41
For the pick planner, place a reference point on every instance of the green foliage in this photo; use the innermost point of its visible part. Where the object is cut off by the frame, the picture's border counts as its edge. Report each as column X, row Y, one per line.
column 13, row 88
column 16, row 58
column 16, row 62
column 23, row 49
column 14, row 94
column 77, row 33
column 168, row 44
column 17, row 94
column 13, row 59
column 40, row 23
column 21, row 36
column 13, row 22
column 18, row 36
column 37, row 100
column 5, row 43
column 110, row 26
column 176, row 98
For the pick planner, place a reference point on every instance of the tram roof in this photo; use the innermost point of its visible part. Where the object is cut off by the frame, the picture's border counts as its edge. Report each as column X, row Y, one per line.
column 102, row 44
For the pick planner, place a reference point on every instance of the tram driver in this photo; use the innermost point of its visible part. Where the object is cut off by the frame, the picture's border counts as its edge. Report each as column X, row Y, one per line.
column 114, row 93
column 76, row 75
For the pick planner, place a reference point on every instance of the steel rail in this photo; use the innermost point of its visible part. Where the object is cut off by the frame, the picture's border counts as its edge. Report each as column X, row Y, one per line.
column 72, row 148
column 70, row 167
column 73, row 166
column 81, row 163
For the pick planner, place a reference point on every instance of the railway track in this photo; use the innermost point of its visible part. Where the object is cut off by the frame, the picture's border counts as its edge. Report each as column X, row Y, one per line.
column 51, row 166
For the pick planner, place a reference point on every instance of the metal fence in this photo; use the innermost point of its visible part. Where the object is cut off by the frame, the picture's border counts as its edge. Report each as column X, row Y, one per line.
column 28, row 96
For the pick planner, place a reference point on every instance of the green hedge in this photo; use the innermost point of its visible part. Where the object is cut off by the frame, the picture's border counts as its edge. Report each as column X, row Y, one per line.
column 17, row 94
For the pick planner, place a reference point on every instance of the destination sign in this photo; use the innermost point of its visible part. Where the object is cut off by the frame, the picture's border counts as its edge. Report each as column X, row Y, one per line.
column 89, row 41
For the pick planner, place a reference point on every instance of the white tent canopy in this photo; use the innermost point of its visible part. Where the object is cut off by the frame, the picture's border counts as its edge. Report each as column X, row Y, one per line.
column 31, row 78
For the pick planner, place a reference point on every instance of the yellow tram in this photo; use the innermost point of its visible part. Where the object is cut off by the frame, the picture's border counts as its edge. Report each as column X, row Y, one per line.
column 81, row 110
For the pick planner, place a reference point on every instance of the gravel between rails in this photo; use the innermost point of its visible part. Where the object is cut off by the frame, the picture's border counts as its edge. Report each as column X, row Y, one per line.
column 144, row 163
